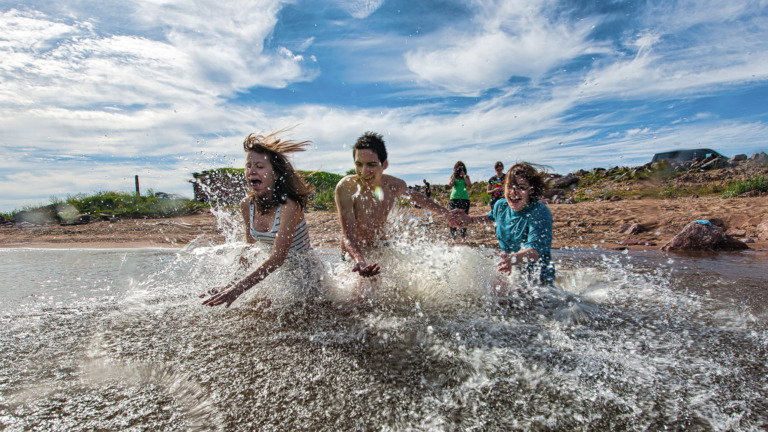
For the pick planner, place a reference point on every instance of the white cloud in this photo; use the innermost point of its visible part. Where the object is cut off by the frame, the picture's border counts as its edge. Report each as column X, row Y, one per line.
column 360, row 9
column 506, row 39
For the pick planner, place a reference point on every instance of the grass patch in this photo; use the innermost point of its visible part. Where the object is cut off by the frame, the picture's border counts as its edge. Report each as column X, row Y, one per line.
column 130, row 205
column 736, row 188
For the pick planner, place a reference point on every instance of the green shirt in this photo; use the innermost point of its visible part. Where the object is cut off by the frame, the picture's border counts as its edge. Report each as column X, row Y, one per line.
column 459, row 189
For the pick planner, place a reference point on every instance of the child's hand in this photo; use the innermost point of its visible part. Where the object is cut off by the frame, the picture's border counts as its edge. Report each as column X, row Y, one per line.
column 458, row 219
column 366, row 270
column 506, row 263
column 226, row 295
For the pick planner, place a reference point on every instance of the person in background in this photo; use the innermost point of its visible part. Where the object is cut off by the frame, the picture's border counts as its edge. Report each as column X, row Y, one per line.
column 495, row 186
column 273, row 210
column 427, row 188
column 523, row 224
column 459, row 184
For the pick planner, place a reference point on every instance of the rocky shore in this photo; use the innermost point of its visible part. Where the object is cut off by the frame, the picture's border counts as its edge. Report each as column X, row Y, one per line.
column 602, row 208
column 646, row 224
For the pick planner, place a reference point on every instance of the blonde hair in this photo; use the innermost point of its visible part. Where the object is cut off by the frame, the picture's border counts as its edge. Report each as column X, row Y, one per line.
column 288, row 183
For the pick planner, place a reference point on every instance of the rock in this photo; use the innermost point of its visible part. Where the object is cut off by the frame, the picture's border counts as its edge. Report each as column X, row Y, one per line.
column 564, row 182
column 615, row 198
column 717, row 222
column 750, row 194
column 81, row 219
column 550, row 193
column 737, row 158
column 701, row 237
column 749, row 240
column 637, row 242
column 735, row 232
column 41, row 216
column 714, row 163
column 632, row 229
column 762, row 231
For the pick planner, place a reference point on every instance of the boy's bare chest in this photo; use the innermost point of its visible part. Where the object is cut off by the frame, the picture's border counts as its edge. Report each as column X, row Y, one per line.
column 373, row 207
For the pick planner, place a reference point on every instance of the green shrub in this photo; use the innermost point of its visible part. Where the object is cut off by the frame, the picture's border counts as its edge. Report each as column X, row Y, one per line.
column 132, row 205
column 324, row 184
column 736, row 188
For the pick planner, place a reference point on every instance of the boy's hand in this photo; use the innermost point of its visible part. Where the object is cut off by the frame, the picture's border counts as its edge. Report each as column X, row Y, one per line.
column 366, row 270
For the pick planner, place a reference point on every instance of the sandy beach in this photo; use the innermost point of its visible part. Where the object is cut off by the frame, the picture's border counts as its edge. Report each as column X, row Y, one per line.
column 590, row 224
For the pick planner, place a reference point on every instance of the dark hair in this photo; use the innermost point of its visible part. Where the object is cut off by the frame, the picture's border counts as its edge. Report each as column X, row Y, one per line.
column 371, row 141
column 288, row 183
column 536, row 178
column 497, row 164
column 458, row 165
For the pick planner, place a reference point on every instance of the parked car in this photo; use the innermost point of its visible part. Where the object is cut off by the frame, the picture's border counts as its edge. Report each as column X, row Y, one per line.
column 685, row 155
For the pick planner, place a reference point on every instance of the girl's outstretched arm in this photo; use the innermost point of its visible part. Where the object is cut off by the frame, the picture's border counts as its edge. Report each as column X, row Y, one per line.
column 290, row 216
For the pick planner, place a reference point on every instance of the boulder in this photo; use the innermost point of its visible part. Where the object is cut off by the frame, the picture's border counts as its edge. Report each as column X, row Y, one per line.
column 703, row 236
column 735, row 232
column 762, row 231
column 81, row 219
column 41, row 216
column 714, row 163
column 631, row 229
column 564, row 182
column 717, row 222
column 737, row 158
column 551, row 193
column 760, row 158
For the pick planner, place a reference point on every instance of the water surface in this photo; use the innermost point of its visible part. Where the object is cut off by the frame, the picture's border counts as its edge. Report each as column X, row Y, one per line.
column 118, row 340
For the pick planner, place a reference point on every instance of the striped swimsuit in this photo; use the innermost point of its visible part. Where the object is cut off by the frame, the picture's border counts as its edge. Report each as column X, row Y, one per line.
column 300, row 237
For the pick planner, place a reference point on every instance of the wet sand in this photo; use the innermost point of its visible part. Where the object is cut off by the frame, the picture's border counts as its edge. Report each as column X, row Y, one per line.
column 584, row 225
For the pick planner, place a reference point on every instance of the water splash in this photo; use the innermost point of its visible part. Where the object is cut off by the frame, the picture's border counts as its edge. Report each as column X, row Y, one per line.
column 623, row 342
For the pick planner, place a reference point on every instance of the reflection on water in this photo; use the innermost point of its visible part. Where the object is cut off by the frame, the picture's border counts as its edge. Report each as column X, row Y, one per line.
column 114, row 340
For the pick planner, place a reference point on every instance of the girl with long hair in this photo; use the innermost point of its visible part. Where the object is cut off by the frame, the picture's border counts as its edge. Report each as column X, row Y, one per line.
column 273, row 210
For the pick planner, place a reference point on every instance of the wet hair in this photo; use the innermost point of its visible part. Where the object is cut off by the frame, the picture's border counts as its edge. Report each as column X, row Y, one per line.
column 371, row 141
column 288, row 183
column 536, row 178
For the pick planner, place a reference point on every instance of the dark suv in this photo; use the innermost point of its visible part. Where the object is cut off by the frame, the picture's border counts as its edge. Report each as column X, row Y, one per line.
column 685, row 155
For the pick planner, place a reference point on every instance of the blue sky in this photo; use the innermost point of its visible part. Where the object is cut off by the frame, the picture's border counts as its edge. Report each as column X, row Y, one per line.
column 95, row 92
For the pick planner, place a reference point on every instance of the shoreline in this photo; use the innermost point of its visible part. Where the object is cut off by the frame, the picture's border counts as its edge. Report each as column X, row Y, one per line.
column 587, row 225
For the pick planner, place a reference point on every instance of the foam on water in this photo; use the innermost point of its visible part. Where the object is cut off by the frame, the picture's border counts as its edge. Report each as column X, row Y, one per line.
column 438, row 342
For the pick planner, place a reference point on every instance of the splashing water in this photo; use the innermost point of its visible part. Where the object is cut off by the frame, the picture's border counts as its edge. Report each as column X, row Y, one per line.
column 118, row 340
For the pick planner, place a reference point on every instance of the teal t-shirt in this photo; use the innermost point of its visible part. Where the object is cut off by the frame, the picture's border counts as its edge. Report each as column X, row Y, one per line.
column 531, row 227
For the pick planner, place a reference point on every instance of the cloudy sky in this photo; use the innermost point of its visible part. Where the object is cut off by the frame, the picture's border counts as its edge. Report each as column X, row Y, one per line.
column 93, row 92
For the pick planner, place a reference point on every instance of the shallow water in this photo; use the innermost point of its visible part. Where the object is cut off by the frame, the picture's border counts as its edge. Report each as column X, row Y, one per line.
column 118, row 340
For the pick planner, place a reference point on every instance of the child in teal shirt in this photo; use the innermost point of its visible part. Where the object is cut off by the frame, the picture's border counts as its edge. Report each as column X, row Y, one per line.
column 523, row 224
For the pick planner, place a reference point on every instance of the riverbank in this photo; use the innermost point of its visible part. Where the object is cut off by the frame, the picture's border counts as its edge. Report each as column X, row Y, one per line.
column 589, row 224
